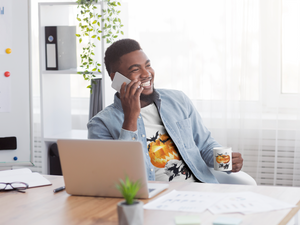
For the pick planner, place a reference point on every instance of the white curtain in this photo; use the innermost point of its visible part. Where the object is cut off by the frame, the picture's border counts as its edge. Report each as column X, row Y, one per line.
column 227, row 56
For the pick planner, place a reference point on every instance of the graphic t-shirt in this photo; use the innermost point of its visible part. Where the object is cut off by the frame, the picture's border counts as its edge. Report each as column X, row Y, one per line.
column 162, row 151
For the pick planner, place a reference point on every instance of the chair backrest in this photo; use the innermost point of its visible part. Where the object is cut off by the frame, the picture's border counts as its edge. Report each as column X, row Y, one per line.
column 233, row 178
column 55, row 167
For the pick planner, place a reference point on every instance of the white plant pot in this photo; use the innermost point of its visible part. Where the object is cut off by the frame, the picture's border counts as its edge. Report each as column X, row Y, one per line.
column 131, row 214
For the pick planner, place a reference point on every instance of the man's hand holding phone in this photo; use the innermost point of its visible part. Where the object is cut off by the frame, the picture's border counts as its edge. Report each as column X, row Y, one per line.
column 130, row 92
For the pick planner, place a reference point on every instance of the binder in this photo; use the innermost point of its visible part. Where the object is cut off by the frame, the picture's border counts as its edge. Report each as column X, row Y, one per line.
column 60, row 47
column 51, row 48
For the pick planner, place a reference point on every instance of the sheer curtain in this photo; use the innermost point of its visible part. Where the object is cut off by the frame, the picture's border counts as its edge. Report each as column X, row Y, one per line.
column 226, row 55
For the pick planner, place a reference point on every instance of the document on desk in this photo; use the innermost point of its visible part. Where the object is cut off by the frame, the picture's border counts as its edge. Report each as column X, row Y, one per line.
column 217, row 203
column 186, row 201
column 248, row 202
column 23, row 175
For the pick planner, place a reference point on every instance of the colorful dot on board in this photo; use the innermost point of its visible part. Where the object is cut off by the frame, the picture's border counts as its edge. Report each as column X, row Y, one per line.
column 7, row 74
column 15, row 158
column 8, row 50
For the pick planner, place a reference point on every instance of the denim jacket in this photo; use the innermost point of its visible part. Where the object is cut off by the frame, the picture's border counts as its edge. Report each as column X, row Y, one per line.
column 182, row 122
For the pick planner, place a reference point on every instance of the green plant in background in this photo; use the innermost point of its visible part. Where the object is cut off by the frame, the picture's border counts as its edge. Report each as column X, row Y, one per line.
column 128, row 189
column 95, row 26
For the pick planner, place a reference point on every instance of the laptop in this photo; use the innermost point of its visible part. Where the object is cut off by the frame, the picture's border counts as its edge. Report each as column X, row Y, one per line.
column 94, row 167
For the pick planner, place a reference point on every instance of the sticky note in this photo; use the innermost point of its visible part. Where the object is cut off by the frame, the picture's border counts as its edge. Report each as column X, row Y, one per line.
column 227, row 221
column 187, row 220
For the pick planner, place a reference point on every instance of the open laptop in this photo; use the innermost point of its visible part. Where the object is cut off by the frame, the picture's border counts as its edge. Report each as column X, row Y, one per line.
column 94, row 167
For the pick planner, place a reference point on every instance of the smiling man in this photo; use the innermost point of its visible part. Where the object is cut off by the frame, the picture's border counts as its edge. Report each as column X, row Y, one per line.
column 177, row 146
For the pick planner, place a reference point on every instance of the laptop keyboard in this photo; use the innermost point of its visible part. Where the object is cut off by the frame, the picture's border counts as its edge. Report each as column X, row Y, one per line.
column 150, row 189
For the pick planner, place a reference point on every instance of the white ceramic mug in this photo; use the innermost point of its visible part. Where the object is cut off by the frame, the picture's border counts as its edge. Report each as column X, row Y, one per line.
column 222, row 158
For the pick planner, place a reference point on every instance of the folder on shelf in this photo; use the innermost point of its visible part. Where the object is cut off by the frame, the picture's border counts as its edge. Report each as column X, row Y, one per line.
column 51, row 48
column 60, row 47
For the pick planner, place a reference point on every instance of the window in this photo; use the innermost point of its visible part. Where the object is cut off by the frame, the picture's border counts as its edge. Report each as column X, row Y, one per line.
column 290, row 46
column 204, row 48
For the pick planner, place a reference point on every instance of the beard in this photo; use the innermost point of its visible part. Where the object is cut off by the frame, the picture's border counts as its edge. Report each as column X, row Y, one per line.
column 149, row 98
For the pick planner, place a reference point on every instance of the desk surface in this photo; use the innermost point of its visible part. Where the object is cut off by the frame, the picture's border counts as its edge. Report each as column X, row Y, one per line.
column 41, row 206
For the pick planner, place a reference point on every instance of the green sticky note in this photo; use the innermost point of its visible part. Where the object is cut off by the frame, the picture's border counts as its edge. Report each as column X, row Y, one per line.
column 227, row 221
column 187, row 220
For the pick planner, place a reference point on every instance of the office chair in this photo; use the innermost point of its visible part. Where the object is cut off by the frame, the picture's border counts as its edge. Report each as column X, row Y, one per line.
column 233, row 178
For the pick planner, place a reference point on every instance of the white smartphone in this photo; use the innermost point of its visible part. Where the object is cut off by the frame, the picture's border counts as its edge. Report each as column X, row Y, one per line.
column 118, row 80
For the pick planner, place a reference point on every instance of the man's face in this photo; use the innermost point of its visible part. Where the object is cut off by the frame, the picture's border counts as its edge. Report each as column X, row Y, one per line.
column 136, row 66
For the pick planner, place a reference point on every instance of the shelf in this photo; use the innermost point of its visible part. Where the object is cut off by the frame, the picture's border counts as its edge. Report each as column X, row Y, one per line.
column 69, row 71
column 64, row 98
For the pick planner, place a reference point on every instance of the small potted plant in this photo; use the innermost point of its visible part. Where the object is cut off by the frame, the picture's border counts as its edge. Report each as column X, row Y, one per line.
column 130, row 211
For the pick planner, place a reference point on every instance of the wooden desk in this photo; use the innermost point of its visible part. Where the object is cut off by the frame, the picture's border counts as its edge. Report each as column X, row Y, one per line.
column 41, row 206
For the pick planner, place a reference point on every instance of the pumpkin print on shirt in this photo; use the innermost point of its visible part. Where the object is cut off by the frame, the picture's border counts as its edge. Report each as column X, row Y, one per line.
column 163, row 154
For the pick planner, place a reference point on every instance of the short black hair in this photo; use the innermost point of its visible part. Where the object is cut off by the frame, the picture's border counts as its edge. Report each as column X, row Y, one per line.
column 114, row 52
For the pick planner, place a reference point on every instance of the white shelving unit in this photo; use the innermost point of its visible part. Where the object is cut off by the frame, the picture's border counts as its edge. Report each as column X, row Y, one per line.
column 56, row 109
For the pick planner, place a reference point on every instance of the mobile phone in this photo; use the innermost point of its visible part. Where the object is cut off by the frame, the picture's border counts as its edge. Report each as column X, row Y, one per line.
column 118, row 80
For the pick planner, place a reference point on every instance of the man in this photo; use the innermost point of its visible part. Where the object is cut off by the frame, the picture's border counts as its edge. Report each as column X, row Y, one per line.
column 177, row 146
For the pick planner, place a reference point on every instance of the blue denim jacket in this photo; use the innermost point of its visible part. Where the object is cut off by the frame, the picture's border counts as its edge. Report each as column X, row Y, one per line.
column 182, row 122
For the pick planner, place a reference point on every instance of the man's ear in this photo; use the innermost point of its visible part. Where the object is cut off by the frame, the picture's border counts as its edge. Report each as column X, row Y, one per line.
column 112, row 75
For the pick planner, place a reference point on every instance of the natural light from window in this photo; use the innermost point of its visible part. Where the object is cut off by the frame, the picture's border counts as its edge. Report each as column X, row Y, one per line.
column 204, row 48
column 290, row 46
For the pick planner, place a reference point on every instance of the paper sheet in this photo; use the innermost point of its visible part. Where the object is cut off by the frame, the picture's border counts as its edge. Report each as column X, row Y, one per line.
column 186, row 201
column 217, row 203
column 248, row 202
column 5, row 25
column 23, row 175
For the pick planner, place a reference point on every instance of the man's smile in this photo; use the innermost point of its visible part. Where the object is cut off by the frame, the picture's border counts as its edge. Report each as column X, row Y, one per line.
column 146, row 84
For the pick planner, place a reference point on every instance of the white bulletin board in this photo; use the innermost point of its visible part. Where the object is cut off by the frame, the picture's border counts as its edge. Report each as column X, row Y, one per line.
column 5, row 25
column 15, row 95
